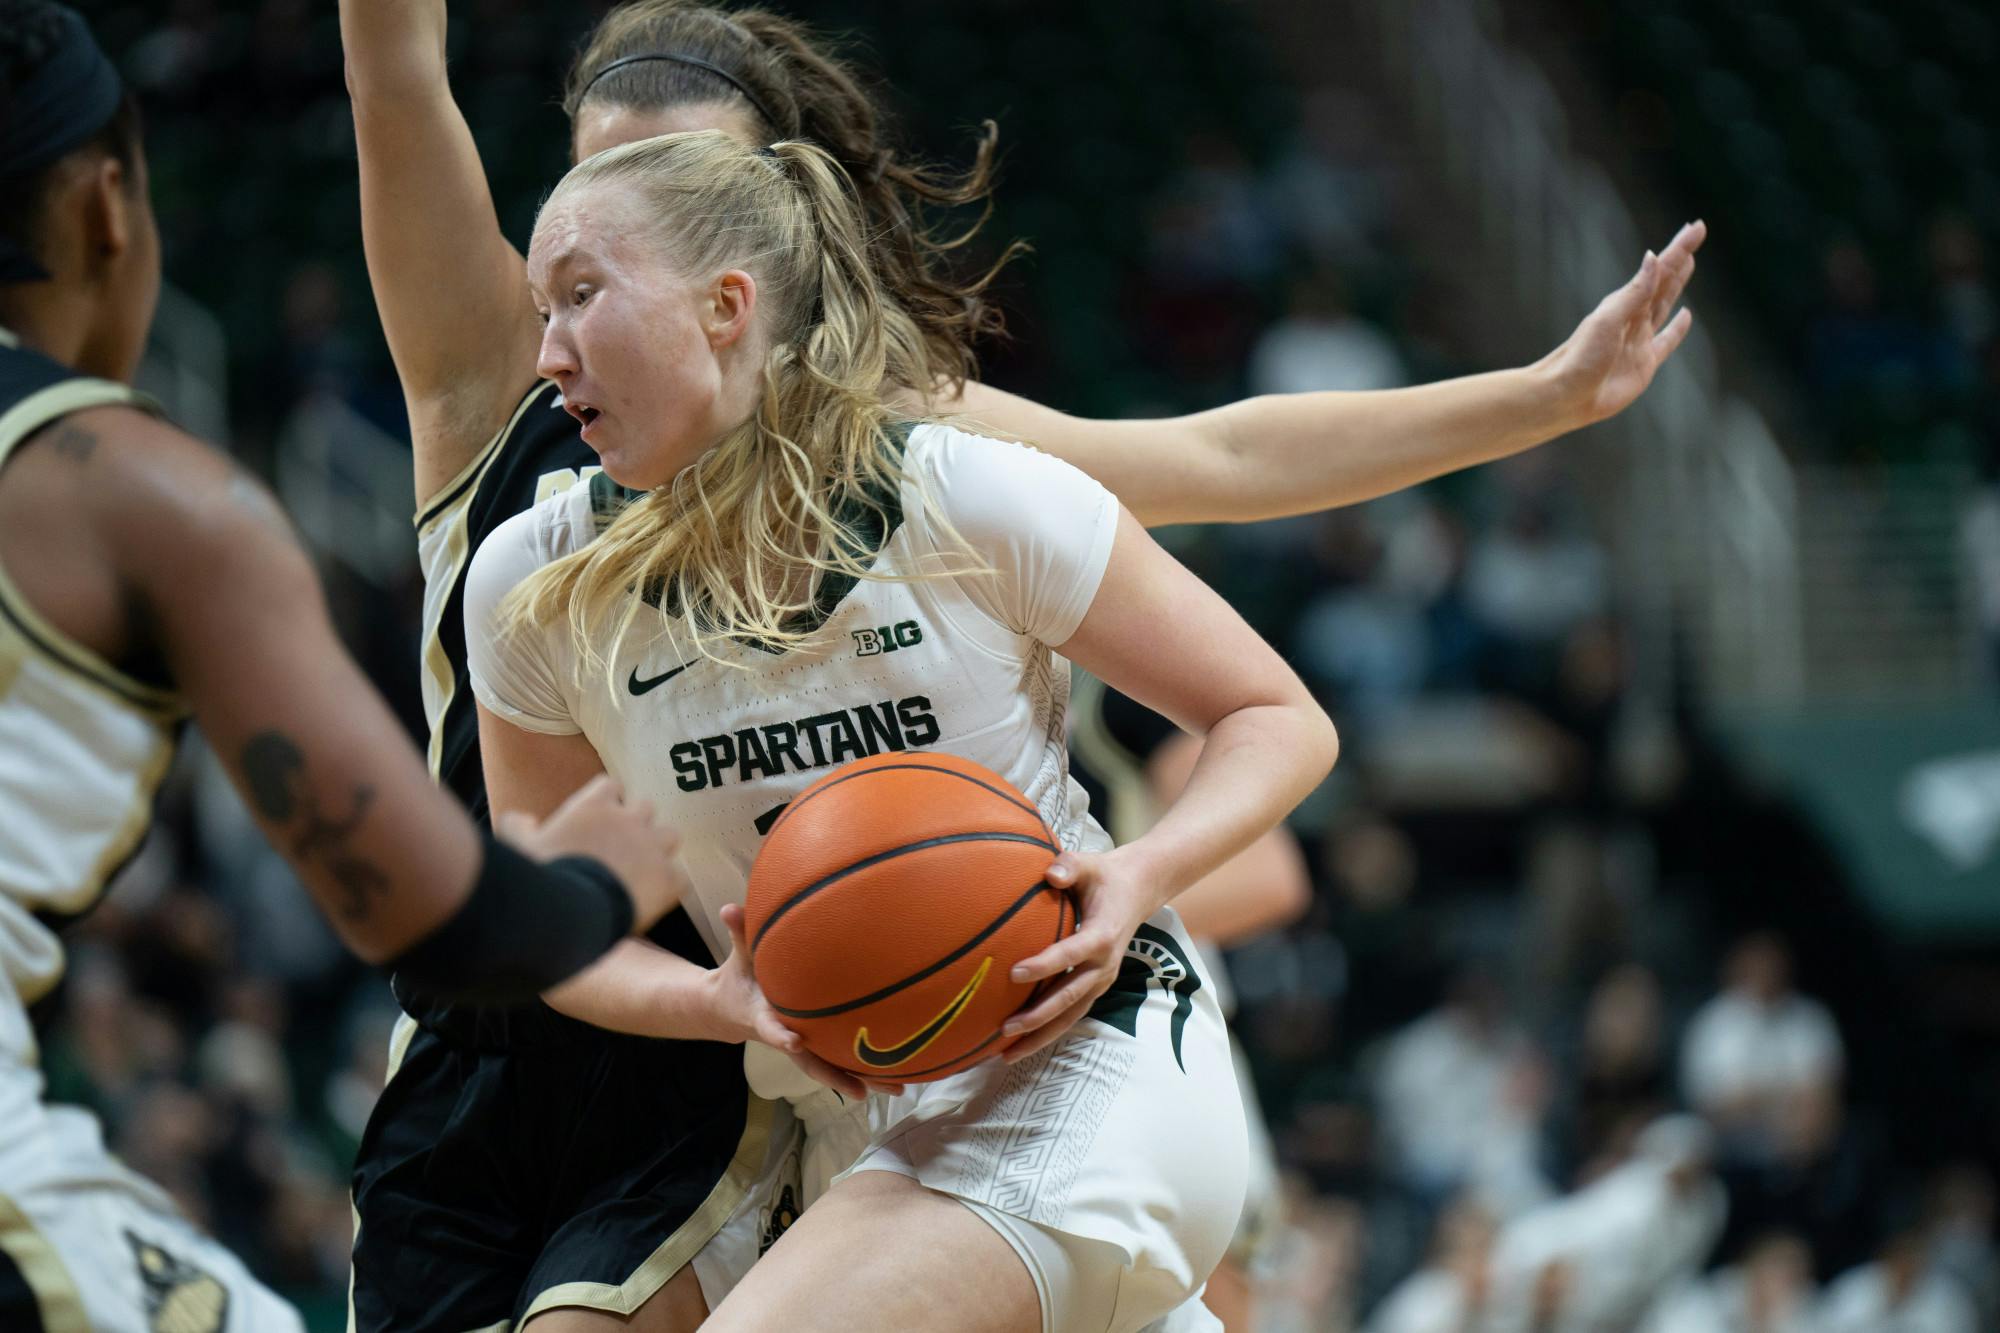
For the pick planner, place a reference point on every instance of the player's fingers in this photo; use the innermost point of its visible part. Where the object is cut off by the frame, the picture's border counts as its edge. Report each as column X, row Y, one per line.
column 889, row 1089
column 1687, row 240
column 1066, row 871
column 773, row 1032
column 1671, row 336
column 846, row 1084
column 1648, row 274
column 1082, row 987
column 1674, row 277
column 1628, row 298
column 732, row 921
column 1049, row 1034
column 1070, row 951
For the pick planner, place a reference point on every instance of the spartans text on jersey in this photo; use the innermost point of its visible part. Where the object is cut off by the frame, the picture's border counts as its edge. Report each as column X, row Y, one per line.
column 819, row 741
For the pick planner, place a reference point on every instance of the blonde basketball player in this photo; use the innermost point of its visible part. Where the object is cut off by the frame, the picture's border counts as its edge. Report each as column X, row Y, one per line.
column 443, row 1244
column 715, row 325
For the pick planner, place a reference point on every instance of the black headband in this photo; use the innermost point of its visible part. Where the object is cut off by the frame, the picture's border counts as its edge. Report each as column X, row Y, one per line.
column 70, row 97
column 696, row 62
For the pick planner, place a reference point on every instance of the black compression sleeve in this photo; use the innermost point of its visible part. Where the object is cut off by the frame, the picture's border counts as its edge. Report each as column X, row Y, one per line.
column 525, row 927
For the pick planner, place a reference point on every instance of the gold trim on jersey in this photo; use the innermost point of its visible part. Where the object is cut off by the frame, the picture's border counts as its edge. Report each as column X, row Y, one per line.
column 679, row 1249
column 55, row 1291
column 400, row 1037
column 17, row 424
column 436, row 664
column 12, row 655
column 131, row 832
column 447, row 496
column 1128, row 793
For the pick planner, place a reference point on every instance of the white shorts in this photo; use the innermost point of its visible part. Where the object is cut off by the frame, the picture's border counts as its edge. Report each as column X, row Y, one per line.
column 86, row 1246
column 1114, row 1162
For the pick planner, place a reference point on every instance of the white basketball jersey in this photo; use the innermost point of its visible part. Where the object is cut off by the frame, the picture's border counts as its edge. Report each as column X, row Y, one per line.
column 83, row 747
column 960, row 663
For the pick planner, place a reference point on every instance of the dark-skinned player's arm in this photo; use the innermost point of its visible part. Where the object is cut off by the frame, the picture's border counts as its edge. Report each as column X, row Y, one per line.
column 451, row 291
column 1298, row 453
column 232, row 607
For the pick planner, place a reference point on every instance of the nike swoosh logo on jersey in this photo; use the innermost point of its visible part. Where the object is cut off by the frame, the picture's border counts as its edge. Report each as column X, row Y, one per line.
column 639, row 687
column 876, row 1057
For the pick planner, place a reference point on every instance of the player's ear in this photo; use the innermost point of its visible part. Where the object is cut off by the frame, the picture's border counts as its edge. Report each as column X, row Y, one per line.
column 732, row 300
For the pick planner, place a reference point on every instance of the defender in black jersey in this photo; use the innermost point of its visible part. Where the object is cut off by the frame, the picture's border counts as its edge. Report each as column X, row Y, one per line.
column 608, row 1146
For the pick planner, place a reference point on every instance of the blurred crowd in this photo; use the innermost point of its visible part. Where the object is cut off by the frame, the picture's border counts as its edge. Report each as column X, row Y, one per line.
column 1509, row 1085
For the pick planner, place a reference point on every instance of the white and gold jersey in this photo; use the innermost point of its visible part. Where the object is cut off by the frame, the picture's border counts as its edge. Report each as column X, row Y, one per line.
column 83, row 746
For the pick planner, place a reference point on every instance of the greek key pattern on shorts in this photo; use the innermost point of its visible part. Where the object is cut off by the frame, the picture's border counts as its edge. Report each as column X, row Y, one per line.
column 1043, row 1122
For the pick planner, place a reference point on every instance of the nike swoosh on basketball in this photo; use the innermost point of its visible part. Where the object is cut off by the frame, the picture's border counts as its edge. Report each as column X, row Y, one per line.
column 639, row 687
column 876, row 1057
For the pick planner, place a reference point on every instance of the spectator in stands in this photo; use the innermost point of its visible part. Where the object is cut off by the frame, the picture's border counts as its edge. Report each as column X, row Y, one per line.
column 1617, row 1080
column 1960, row 1216
column 1528, row 583
column 1363, row 641
column 1771, row 1291
column 1449, row 1293
column 1619, row 1243
column 1322, row 344
column 1371, row 875
column 1961, row 285
column 1758, row 1052
column 1901, row 1292
column 1872, row 368
column 1460, row 1098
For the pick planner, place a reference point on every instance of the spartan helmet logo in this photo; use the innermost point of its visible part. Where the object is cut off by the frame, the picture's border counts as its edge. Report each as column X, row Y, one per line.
column 180, row 1298
column 1153, row 958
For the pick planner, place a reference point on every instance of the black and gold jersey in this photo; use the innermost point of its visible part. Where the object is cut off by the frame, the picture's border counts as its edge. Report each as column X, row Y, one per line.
column 538, row 453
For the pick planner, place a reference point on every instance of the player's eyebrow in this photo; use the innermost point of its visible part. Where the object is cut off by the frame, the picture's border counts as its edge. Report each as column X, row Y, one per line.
column 563, row 258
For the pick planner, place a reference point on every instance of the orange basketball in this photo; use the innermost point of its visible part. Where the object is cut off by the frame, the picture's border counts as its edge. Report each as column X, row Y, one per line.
column 888, row 907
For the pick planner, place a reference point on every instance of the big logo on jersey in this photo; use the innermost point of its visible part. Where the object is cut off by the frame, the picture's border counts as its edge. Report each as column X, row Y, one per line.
column 819, row 741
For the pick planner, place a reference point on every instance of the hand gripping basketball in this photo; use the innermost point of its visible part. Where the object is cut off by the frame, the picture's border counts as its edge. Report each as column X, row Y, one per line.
column 1114, row 895
column 888, row 907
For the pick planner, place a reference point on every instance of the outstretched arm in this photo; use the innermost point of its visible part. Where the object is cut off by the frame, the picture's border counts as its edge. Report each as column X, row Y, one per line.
column 230, row 604
column 451, row 290
column 1297, row 453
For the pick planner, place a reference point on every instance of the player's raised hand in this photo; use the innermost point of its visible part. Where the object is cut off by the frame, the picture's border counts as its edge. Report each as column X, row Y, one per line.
column 1611, row 358
column 1111, row 901
column 596, row 821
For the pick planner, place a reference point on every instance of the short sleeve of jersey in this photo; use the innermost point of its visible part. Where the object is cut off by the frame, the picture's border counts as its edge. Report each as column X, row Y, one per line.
column 513, row 672
column 1043, row 526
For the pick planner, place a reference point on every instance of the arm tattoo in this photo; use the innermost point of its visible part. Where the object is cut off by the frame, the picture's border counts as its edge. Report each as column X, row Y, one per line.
column 73, row 442
column 274, row 771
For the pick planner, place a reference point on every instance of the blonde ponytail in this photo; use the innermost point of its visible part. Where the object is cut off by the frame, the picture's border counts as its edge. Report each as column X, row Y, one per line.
column 741, row 544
